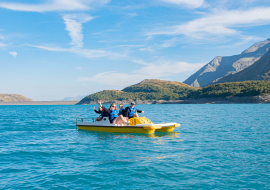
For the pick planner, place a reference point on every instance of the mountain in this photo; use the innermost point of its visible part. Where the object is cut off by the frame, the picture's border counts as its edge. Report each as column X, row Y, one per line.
column 260, row 70
column 78, row 98
column 245, row 88
column 149, row 89
column 13, row 98
column 220, row 66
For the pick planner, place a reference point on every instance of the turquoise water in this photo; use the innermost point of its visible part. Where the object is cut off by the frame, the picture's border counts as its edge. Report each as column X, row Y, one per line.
column 216, row 147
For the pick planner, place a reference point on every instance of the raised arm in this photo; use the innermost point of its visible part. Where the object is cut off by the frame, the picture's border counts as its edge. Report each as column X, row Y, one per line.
column 99, row 102
column 106, row 110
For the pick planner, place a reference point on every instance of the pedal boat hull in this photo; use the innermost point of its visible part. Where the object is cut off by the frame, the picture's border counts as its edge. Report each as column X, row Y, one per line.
column 136, row 125
column 167, row 127
column 121, row 129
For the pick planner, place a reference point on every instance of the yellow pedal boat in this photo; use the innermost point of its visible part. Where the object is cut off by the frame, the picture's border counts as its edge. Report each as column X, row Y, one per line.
column 135, row 125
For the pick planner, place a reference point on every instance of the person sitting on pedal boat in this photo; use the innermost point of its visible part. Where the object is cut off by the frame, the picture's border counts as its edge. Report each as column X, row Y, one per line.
column 101, row 112
column 131, row 111
column 113, row 114
column 121, row 110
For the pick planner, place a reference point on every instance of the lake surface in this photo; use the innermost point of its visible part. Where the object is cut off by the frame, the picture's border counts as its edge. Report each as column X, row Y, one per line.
column 216, row 147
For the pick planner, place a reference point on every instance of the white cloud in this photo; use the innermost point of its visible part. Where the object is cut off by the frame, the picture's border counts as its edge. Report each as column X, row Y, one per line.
column 2, row 45
column 113, row 78
column 13, row 53
column 149, row 48
column 132, row 14
column 219, row 23
column 244, row 40
column 73, row 24
column 170, row 43
column 53, row 5
column 79, row 17
column 187, row 3
column 87, row 53
column 149, row 71
column 165, row 68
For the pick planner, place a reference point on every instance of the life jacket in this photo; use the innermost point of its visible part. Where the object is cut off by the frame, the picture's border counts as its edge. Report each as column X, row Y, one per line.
column 132, row 112
column 104, row 114
column 122, row 112
column 114, row 114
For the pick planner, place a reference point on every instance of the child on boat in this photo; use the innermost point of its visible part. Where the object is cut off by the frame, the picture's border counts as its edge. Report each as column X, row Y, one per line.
column 121, row 110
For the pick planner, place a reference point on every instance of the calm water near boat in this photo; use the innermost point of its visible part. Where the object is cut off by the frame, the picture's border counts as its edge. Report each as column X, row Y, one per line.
column 217, row 146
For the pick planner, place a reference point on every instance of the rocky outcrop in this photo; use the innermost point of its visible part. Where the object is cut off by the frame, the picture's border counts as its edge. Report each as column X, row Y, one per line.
column 220, row 67
column 260, row 70
column 13, row 98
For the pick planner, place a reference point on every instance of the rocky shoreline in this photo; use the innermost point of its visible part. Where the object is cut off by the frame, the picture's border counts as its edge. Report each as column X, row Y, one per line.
column 214, row 100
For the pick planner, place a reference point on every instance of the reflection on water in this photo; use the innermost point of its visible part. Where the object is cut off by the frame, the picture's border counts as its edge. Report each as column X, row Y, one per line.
column 134, row 147
column 110, row 135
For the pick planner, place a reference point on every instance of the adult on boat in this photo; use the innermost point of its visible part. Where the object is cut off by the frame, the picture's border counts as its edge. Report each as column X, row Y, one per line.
column 131, row 111
column 101, row 112
column 114, row 117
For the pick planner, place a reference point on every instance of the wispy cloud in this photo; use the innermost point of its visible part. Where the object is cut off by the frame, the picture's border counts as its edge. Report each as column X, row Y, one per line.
column 1, row 38
column 73, row 24
column 87, row 53
column 132, row 14
column 187, row 3
column 149, row 48
column 170, row 43
column 219, row 23
column 13, row 53
column 244, row 40
column 149, row 71
column 2, row 45
column 53, row 5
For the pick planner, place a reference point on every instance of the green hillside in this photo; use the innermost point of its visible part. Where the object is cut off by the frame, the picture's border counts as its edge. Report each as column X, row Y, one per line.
column 168, row 90
column 13, row 98
column 245, row 88
column 150, row 89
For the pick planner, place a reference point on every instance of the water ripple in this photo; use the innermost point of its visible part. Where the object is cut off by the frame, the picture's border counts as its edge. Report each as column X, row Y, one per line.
column 216, row 147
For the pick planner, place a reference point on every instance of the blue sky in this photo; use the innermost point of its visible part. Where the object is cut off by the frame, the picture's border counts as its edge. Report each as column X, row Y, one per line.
column 52, row 49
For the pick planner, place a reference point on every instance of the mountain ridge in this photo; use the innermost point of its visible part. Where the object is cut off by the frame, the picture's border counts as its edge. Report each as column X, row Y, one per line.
column 260, row 70
column 222, row 66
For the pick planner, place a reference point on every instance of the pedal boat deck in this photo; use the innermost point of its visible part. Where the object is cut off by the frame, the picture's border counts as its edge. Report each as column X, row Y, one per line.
column 136, row 125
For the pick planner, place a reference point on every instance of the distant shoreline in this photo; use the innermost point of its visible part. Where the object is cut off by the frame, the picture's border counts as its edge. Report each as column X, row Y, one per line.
column 212, row 100
column 41, row 103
